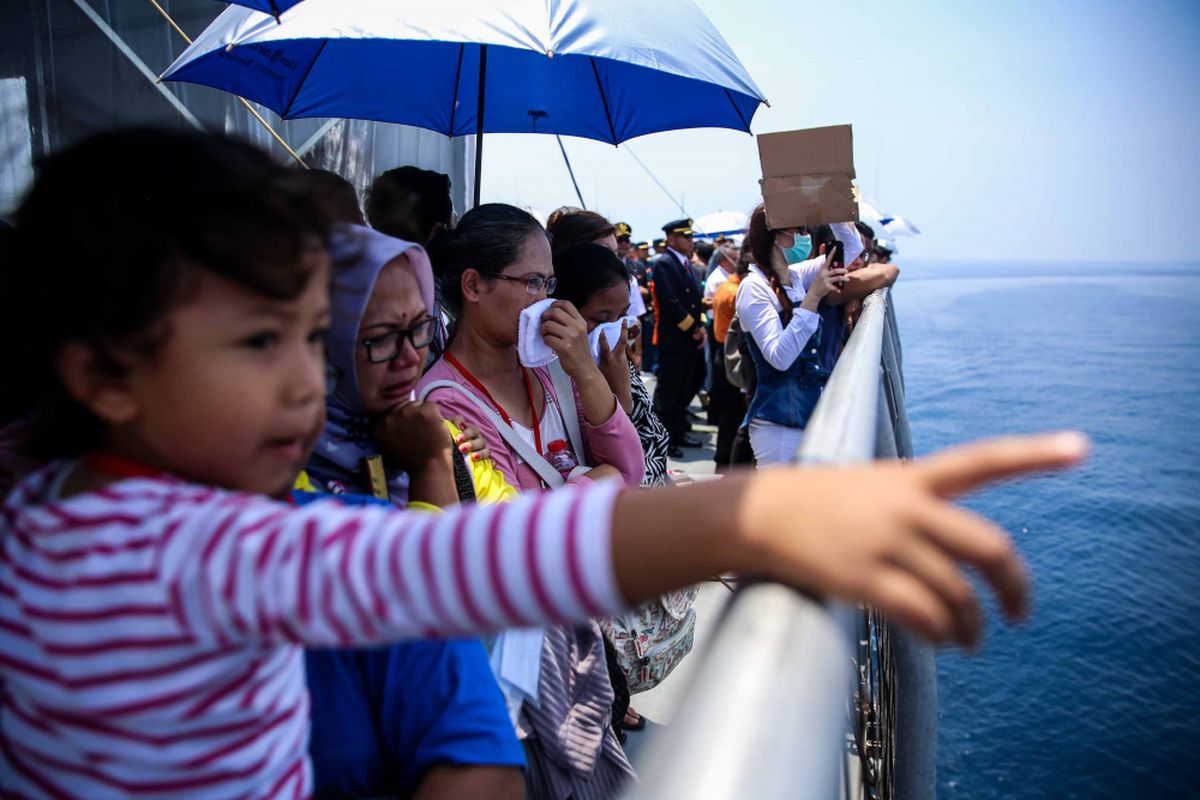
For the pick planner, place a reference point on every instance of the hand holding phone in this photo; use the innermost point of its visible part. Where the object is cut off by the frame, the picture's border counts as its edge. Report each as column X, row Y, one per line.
column 834, row 263
column 836, row 253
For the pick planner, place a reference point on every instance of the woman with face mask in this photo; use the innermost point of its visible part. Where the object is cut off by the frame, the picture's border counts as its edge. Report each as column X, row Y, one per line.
column 777, row 305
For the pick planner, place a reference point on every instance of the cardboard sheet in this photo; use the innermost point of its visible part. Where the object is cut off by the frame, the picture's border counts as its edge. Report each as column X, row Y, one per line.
column 807, row 176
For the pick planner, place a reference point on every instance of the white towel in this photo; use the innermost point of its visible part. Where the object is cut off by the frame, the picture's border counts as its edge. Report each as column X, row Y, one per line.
column 531, row 348
column 637, row 306
column 516, row 661
column 847, row 234
column 611, row 331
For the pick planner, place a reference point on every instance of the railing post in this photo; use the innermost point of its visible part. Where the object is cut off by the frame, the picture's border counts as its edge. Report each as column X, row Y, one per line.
column 916, row 717
column 916, row 688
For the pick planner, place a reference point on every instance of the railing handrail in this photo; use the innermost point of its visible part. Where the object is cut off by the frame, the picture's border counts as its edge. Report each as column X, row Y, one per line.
column 842, row 427
column 766, row 714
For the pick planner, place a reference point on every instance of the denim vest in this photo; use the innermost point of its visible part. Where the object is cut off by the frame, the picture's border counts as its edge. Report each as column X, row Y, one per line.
column 788, row 397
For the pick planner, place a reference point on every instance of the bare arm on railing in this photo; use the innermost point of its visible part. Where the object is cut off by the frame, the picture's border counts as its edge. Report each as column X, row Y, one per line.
column 882, row 534
column 862, row 282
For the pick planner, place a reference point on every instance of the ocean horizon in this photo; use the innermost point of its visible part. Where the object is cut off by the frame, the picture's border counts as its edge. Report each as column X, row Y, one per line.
column 1096, row 694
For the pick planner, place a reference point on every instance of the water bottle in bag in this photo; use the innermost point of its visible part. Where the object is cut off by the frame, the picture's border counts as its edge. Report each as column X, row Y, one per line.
column 561, row 458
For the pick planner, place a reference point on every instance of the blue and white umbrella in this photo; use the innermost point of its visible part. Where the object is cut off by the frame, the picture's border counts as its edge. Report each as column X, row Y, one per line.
column 887, row 226
column 898, row 226
column 272, row 7
column 598, row 69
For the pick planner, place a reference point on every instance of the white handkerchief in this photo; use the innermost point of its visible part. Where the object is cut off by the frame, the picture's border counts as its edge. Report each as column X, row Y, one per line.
column 516, row 661
column 611, row 331
column 637, row 306
column 531, row 348
column 847, row 234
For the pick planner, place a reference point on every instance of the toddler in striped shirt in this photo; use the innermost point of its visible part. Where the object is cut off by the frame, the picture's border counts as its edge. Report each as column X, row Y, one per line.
column 166, row 297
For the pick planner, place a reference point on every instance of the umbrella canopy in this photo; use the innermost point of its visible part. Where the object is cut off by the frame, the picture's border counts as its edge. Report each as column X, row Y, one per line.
column 600, row 69
column 720, row 222
column 887, row 226
column 898, row 226
column 273, row 7
column 868, row 213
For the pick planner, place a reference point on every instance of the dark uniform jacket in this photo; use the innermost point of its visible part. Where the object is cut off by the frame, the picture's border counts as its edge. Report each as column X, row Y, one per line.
column 678, row 297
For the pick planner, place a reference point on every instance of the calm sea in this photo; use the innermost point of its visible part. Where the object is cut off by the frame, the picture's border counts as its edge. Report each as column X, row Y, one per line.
column 1098, row 695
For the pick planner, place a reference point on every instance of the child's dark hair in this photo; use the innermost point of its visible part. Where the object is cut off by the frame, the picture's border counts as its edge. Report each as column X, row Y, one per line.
column 110, row 239
column 584, row 270
column 487, row 239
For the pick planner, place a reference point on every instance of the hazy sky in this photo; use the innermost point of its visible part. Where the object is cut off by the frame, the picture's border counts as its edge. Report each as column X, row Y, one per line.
column 1015, row 130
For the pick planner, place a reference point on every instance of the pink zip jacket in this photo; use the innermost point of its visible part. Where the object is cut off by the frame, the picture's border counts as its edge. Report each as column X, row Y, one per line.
column 614, row 442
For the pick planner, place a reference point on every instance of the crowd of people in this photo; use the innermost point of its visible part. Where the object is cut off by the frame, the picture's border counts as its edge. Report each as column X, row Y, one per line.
column 795, row 313
column 307, row 502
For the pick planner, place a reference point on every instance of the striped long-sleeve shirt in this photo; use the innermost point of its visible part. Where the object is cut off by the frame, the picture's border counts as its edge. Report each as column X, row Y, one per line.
column 151, row 632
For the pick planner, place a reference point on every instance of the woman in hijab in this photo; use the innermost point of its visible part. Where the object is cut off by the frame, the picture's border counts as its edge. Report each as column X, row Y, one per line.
column 427, row 715
column 378, row 439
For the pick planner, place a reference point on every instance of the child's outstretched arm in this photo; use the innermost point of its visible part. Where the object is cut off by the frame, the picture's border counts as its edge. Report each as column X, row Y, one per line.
column 884, row 534
column 245, row 568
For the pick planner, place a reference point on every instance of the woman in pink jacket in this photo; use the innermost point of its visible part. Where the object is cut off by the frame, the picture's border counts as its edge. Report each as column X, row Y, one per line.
column 495, row 264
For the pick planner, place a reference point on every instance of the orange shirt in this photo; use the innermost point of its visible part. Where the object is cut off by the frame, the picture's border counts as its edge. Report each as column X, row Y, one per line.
column 724, row 300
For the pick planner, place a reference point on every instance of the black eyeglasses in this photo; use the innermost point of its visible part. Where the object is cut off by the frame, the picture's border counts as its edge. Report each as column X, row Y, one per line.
column 534, row 284
column 388, row 346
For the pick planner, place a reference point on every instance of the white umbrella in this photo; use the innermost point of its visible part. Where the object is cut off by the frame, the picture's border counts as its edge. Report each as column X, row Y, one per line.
column 726, row 222
column 868, row 213
column 886, row 226
column 899, row 226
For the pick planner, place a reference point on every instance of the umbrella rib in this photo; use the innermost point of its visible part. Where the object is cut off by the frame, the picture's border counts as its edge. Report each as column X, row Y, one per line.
column 608, row 114
column 745, row 124
column 300, row 85
column 454, row 100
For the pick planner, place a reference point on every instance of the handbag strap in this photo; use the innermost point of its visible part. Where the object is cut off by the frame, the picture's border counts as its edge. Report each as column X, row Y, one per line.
column 564, row 393
column 528, row 454
column 464, row 482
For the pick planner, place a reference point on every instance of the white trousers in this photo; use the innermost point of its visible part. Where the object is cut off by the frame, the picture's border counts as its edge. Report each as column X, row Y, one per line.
column 774, row 444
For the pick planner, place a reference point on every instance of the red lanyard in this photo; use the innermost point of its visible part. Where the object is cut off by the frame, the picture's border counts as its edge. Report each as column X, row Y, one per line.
column 119, row 467
column 537, row 431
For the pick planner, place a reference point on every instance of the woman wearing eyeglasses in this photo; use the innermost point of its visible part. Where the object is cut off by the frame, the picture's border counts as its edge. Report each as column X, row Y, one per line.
column 377, row 439
column 406, row 718
column 495, row 264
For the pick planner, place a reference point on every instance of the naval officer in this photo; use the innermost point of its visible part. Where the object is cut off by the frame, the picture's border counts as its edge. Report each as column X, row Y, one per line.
column 680, row 334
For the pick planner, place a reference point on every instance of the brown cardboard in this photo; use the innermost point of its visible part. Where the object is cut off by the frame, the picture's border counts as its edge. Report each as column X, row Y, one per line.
column 807, row 176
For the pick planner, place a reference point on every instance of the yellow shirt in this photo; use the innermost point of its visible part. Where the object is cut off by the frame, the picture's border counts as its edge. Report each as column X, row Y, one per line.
column 489, row 483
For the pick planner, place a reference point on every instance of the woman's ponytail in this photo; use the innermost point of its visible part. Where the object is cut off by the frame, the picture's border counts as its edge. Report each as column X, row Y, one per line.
column 761, row 241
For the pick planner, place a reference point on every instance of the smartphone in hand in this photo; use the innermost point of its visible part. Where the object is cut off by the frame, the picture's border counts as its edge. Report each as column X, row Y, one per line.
column 836, row 256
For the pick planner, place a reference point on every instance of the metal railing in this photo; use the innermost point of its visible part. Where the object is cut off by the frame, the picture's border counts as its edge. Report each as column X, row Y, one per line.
column 772, row 711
